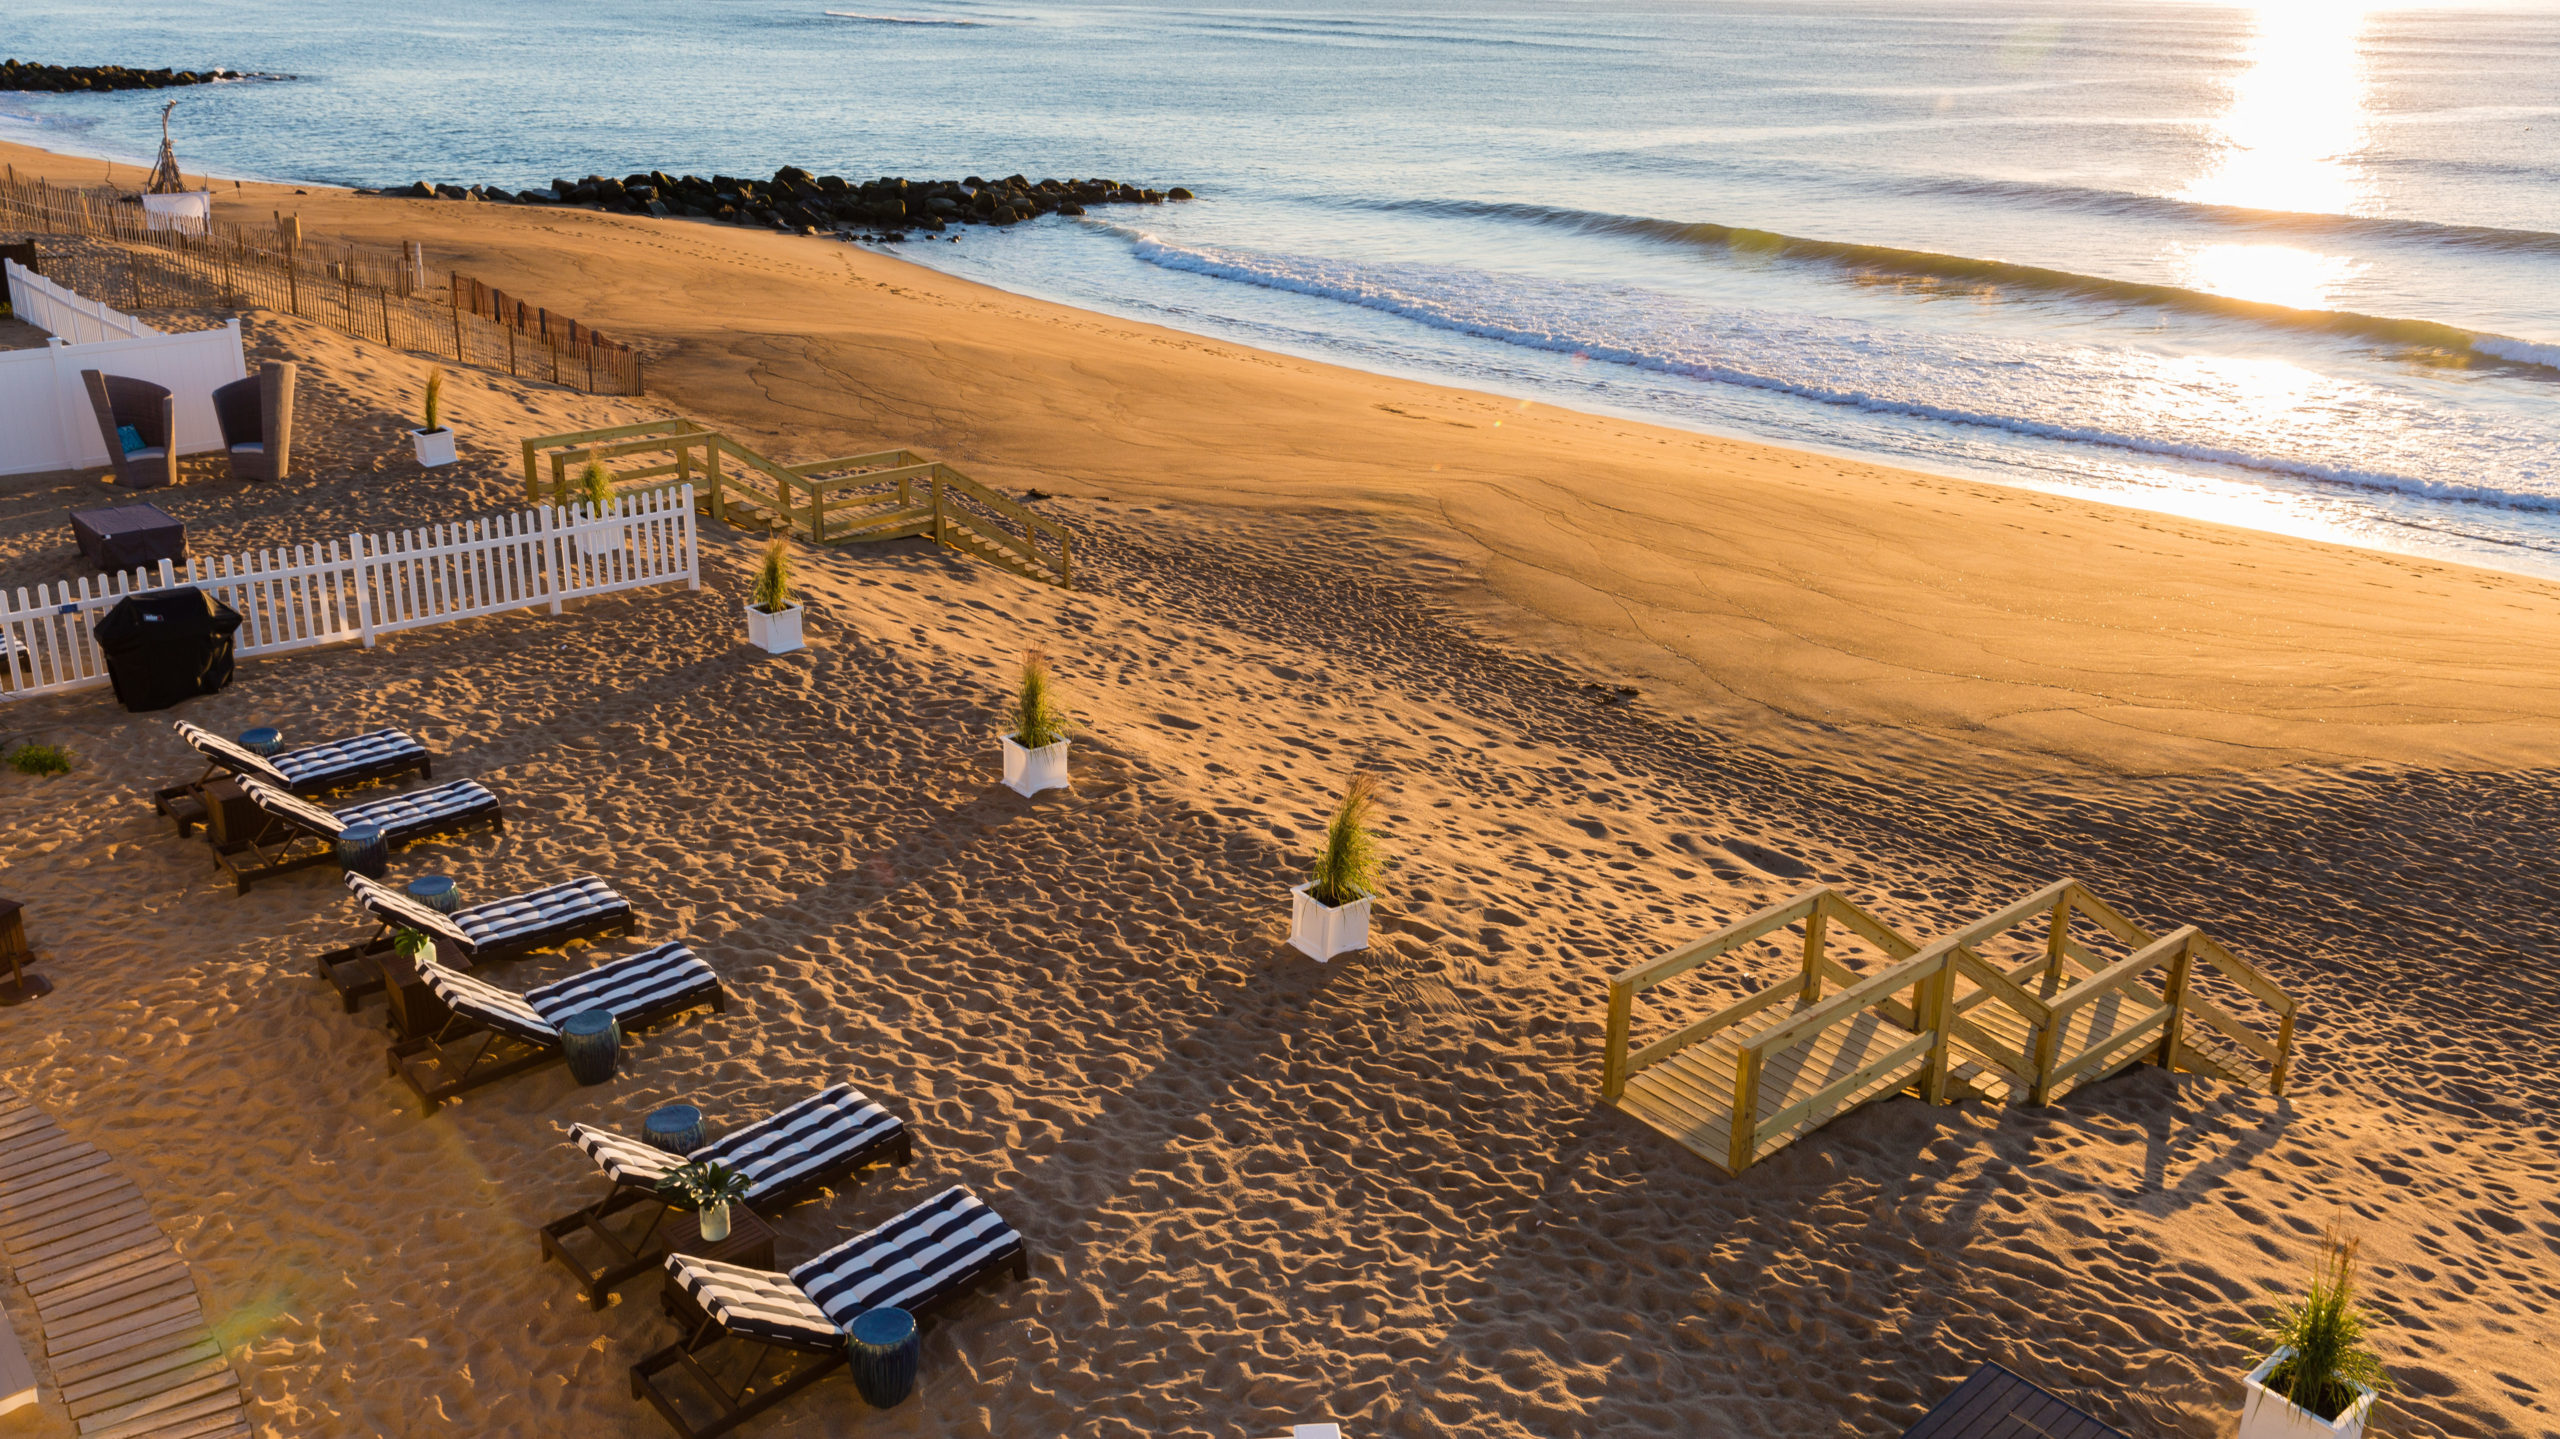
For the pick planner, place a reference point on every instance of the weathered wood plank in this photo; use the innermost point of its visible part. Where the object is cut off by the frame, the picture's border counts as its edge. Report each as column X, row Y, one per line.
column 161, row 1362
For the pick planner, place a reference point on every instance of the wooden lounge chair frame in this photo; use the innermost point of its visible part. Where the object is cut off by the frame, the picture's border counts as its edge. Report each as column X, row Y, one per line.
column 289, row 844
column 423, row 1064
column 632, row 1257
column 740, row 1401
column 354, row 971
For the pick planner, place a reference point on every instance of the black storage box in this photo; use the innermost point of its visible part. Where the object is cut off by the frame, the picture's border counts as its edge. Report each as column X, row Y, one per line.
column 167, row 646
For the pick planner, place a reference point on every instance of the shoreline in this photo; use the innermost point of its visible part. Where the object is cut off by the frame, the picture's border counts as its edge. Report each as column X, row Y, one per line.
column 2267, row 513
column 1835, row 604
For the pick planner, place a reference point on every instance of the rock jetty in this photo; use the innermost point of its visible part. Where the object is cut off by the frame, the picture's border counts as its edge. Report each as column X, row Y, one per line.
column 796, row 201
column 15, row 75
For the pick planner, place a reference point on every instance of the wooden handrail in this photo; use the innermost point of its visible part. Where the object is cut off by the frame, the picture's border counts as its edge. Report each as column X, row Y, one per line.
column 2123, row 972
column 1642, row 977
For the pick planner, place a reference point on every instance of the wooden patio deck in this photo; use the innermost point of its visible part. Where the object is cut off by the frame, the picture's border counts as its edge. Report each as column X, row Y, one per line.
column 124, row 1332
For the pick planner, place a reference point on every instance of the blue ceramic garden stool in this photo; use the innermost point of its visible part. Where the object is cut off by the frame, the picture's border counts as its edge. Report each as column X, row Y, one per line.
column 677, row 1129
column 263, row 741
column 362, row 850
column 436, row 892
column 592, row 1041
column 883, row 1349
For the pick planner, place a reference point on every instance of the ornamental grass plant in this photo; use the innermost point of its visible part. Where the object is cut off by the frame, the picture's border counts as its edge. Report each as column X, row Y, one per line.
column 772, row 589
column 435, row 401
column 1039, row 720
column 2331, row 1363
column 1348, row 864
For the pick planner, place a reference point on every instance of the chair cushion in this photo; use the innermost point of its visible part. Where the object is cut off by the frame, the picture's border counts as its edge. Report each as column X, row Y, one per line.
column 420, row 811
column 129, row 439
column 818, row 1135
column 395, row 908
column 316, row 766
column 653, row 979
column 249, row 447
column 230, row 754
column 292, row 809
column 519, row 921
column 500, row 1009
column 911, row 1261
column 154, row 452
column 755, row 1303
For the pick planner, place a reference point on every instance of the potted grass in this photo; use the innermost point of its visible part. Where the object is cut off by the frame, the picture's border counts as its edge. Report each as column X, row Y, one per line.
column 2319, row 1379
column 773, row 621
column 595, row 491
column 1329, row 914
column 1035, row 752
column 708, row 1189
column 433, row 442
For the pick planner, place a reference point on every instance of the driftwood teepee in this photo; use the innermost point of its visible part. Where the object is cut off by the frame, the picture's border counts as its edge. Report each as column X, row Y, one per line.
column 165, row 179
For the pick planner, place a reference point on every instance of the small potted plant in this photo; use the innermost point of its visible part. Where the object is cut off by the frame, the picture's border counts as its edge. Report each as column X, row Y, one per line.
column 434, row 443
column 1035, row 751
column 773, row 621
column 707, row 1188
column 595, row 491
column 2319, row 1379
column 1329, row 914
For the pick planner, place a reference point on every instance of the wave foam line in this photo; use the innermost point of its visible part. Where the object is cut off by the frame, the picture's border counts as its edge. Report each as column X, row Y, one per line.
column 1933, row 265
column 1270, row 273
column 901, row 19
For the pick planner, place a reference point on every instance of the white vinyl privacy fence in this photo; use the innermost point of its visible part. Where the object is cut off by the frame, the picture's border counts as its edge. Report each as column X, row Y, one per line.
column 46, row 422
column 369, row 585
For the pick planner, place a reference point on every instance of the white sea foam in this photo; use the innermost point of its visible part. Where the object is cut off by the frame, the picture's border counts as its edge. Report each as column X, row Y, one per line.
column 2197, row 410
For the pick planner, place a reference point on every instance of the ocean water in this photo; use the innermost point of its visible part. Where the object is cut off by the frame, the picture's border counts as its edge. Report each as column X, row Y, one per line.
column 2294, row 266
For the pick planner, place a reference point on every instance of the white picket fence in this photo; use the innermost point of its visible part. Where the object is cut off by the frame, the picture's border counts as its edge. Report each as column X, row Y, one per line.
column 46, row 420
column 369, row 586
column 58, row 312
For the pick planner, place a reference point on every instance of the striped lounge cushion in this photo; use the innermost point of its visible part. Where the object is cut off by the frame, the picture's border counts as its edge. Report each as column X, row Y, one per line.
column 395, row 908
column 503, row 1010
column 627, row 988
column 577, row 904
column 911, row 1261
column 422, row 811
column 653, row 979
column 317, row 766
column 237, row 758
column 819, row 1134
column 291, row 808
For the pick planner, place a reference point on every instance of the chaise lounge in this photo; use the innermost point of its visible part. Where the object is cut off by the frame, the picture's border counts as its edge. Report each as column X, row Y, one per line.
column 309, row 833
column 922, row 1261
column 517, row 1032
column 312, row 769
column 830, row 1135
column 474, row 935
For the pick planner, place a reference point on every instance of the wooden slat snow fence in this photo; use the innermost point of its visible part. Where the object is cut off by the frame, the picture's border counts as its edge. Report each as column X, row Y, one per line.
column 369, row 585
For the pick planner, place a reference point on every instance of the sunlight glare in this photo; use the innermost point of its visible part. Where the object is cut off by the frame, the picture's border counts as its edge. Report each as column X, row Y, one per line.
column 2291, row 137
column 2271, row 274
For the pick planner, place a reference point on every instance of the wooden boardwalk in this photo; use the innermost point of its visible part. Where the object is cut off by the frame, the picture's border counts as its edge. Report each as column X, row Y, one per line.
column 1940, row 1020
column 124, row 1332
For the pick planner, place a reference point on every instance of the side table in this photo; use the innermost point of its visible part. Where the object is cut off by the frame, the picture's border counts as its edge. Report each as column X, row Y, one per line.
column 231, row 822
column 415, row 1010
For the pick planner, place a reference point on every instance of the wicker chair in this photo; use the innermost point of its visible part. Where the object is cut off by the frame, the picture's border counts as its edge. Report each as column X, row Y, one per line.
column 256, row 415
column 150, row 411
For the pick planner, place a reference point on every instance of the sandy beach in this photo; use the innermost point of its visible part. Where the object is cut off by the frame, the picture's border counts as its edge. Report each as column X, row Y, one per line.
column 1624, row 684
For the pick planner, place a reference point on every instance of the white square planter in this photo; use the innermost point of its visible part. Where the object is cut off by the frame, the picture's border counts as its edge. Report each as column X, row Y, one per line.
column 2265, row 1415
column 434, row 447
column 1320, row 933
column 777, row 633
column 1029, row 771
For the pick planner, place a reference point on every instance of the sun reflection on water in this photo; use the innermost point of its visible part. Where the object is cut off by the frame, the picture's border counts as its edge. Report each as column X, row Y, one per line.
column 2292, row 138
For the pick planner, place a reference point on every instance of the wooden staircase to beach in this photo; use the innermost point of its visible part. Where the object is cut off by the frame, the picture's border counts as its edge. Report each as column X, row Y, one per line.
column 852, row 499
column 1943, row 1021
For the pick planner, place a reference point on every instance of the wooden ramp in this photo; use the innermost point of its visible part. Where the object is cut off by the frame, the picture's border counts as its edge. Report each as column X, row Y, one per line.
column 1941, row 1021
column 851, row 499
column 124, row 1333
